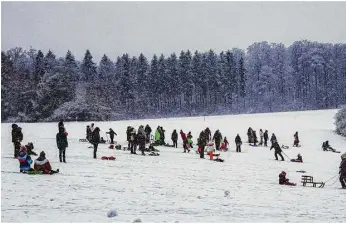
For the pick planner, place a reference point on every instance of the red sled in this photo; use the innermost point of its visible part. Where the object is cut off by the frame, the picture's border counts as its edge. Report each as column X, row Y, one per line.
column 296, row 160
column 108, row 158
column 289, row 184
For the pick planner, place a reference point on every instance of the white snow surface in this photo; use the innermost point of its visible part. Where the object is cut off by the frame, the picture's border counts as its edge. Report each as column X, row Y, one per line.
column 178, row 186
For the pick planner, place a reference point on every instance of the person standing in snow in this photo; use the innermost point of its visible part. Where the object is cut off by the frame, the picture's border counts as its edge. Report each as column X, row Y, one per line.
column 175, row 138
column 141, row 141
column 17, row 138
column 111, row 135
column 128, row 136
column 147, row 132
column 278, row 151
column 61, row 141
column 265, row 136
column 217, row 137
column 189, row 139
column 254, row 137
column 238, row 143
column 88, row 133
column 96, row 140
column 183, row 137
column 249, row 135
column 208, row 134
column 158, row 136
column 133, row 141
column 342, row 171
column 202, row 142
column 162, row 136
column 296, row 140
column 261, row 137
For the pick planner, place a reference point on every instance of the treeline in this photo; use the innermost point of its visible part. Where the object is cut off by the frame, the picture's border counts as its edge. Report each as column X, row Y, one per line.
column 266, row 78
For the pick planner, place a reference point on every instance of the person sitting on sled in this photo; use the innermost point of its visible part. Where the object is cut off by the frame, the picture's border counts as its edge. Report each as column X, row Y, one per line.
column 327, row 147
column 283, row 180
column 298, row 159
column 224, row 145
column 296, row 140
column 102, row 141
column 42, row 164
column 24, row 160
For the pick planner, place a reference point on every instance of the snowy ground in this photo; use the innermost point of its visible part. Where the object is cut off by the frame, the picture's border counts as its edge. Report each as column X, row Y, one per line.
column 177, row 186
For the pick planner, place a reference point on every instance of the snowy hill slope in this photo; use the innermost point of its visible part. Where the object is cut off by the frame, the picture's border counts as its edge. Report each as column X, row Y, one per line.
column 177, row 186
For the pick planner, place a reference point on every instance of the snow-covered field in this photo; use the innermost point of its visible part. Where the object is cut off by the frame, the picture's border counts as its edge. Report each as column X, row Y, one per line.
column 177, row 186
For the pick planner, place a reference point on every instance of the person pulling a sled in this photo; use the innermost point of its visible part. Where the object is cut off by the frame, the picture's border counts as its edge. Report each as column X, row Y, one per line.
column 42, row 164
column 296, row 140
column 298, row 159
column 238, row 143
column 327, row 147
column 283, row 180
column 278, row 151
column 342, row 171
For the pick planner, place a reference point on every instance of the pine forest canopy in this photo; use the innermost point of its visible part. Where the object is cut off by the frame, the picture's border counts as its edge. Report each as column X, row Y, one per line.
column 267, row 77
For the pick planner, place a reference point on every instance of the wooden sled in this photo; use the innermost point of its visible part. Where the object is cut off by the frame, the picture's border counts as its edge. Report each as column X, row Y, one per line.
column 310, row 180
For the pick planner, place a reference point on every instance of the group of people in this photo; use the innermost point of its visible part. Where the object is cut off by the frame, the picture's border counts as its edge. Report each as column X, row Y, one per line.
column 135, row 139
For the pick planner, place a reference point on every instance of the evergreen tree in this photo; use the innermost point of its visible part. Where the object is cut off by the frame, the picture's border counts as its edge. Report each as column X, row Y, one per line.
column 89, row 68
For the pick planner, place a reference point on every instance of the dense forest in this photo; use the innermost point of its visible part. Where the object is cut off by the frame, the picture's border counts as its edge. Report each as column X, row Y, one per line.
column 267, row 77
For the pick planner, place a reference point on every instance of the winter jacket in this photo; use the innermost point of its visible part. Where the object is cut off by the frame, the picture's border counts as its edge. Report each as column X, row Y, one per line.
column 261, row 133
column 296, row 138
column 95, row 139
column 24, row 161
column 208, row 133
column 42, row 164
column 202, row 140
column 111, row 133
column 265, row 136
column 17, row 135
column 273, row 138
column 61, row 139
column 140, row 138
column 276, row 147
column 141, row 130
column 217, row 137
column 128, row 133
column 249, row 132
column 147, row 129
column 183, row 136
column 157, row 135
column 189, row 138
column 343, row 168
column 174, row 136
column 237, row 140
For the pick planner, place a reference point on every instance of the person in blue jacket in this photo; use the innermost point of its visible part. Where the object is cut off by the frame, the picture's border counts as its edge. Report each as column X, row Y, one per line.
column 24, row 160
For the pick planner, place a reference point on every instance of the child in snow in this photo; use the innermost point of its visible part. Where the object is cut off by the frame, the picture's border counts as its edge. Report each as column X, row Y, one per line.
column 189, row 140
column 296, row 140
column 299, row 158
column 42, row 164
column 24, row 160
column 224, row 145
column 283, row 180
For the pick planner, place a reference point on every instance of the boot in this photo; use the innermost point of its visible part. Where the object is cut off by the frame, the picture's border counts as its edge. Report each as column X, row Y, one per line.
column 64, row 160
column 60, row 158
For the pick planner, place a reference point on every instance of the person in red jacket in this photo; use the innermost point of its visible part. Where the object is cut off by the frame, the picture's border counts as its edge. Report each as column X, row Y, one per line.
column 42, row 164
column 183, row 137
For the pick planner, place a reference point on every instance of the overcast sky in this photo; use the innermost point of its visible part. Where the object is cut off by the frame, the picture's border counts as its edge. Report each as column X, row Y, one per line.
column 114, row 28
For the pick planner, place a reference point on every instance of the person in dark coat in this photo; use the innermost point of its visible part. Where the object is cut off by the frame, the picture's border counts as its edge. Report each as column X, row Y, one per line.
column 184, row 138
column 218, row 138
column 202, row 142
column 208, row 134
column 265, row 136
column 61, row 141
column 133, row 141
column 278, row 151
column 238, row 143
column 141, row 141
column 283, row 180
column 128, row 136
column 175, row 138
column 88, row 133
column 162, row 136
column 17, row 137
column 296, row 140
column 273, row 139
column 111, row 135
column 61, row 123
column 327, row 147
column 147, row 131
column 96, row 140
column 249, row 135
column 342, row 170
column 254, row 137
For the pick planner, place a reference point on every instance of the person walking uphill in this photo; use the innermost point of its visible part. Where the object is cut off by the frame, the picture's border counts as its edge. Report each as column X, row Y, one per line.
column 217, row 137
column 278, row 151
column 202, row 141
column 95, row 139
column 175, row 138
column 61, row 141
column 342, row 170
